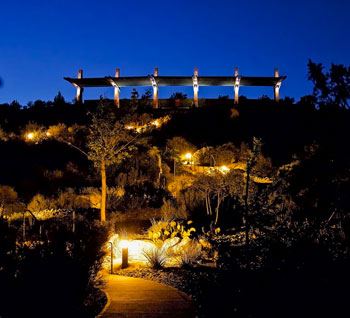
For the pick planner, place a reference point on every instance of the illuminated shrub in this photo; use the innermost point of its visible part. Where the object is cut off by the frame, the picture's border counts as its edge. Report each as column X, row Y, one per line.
column 39, row 203
column 9, row 202
column 162, row 230
column 190, row 253
column 174, row 243
column 156, row 256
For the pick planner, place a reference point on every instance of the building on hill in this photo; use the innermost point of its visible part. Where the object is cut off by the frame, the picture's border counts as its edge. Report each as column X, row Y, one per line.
column 155, row 81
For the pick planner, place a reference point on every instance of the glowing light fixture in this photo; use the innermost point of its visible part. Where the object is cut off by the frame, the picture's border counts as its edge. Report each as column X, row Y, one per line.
column 224, row 169
column 124, row 245
column 188, row 156
column 30, row 135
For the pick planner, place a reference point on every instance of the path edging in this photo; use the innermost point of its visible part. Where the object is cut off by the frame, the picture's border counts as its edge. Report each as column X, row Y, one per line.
column 106, row 305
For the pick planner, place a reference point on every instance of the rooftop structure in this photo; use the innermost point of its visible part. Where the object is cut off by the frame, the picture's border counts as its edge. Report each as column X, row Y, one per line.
column 156, row 81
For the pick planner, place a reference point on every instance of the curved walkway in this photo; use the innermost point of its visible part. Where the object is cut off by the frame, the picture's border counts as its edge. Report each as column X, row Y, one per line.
column 134, row 297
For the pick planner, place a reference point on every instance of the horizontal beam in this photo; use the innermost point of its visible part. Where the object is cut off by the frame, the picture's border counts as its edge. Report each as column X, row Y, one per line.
column 133, row 81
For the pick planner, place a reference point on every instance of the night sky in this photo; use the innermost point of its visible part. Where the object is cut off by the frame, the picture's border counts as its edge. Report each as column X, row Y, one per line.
column 43, row 41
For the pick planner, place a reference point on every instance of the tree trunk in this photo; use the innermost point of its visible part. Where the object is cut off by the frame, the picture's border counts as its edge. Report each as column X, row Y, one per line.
column 246, row 208
column 217, row 208
column 103, row 191
column 207, row 203
column 159, row 163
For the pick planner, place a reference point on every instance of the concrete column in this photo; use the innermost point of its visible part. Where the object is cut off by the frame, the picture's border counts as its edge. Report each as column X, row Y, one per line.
column 117, row 89
column 236, row 85
column 80, row 90
column 155, row 88
column 276, row 89
column 155, row 72
column 195, row 87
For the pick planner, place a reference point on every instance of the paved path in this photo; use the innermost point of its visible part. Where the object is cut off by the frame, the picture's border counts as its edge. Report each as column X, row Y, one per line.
column 134, row 297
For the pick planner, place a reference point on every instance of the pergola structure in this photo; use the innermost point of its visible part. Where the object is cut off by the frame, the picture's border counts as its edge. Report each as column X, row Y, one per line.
column 157, row 81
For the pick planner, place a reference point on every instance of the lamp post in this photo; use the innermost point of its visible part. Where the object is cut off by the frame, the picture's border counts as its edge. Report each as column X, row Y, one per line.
column 111, row 256
column 125, row 253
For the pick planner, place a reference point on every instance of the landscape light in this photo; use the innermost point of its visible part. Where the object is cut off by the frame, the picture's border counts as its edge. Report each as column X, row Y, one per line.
column 188, row 156
column 30, row 135
column 124, row 244
column 224, row 169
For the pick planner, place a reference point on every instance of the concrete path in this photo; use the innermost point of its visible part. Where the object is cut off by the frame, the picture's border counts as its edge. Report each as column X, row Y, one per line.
column 134, row 297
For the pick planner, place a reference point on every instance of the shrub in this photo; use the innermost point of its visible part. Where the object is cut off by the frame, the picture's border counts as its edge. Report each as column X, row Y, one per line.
column 190, row 253
column 39, row 203
column 9, row 201
column 60, row 272
column 156, row 256
column 162, row 229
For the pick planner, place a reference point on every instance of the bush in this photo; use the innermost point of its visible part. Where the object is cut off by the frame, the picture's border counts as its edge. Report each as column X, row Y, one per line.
column 59, row 272
column 156, row 256
column 190, row 254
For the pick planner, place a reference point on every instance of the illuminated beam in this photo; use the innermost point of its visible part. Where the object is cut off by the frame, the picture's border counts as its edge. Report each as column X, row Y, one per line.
column 195, row 87
column 276, row 89
column 155, row 87
column 236, row 85
column 80, row 90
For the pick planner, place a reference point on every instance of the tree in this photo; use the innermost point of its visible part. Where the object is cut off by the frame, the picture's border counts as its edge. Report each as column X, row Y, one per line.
column 134, row 98
column 250, row 163
column 178, row 95
column 146, row 98
column 109, row 143
column 9, row 201
column 155, row 153
column 178, row 146
column 59, row 100
column 330, row 88
column 214, row 189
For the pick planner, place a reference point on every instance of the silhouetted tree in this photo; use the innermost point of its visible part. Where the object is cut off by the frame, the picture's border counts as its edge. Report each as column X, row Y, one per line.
column 134, row 99
column 178, row 95
column 330, row 88
column 250, row 163
column 59, row 100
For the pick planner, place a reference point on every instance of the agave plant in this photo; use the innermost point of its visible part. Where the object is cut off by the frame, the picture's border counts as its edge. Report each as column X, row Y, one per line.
column 156, row 256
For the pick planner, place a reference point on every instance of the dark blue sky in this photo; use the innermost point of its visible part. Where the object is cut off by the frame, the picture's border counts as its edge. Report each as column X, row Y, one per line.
column 43, row 41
